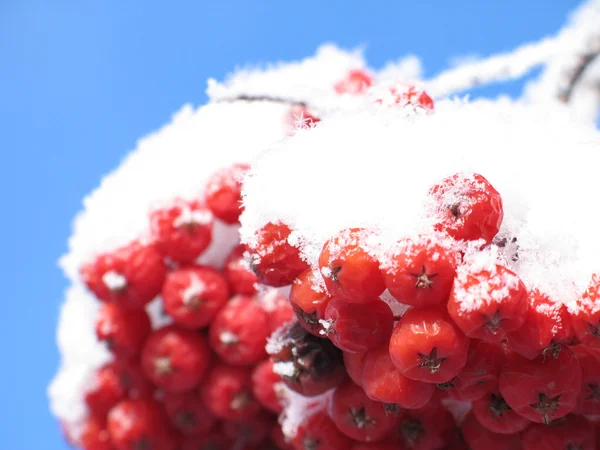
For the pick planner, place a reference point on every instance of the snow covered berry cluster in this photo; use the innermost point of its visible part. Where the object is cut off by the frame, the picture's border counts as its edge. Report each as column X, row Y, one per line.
column 202, row 380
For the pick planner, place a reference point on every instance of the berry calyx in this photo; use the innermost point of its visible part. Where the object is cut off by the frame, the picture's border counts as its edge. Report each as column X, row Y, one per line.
column 182, row 230
column 188, row 414
column 589, row 361
column 318, row 432
column 487, row 303
column 350, row 272
column 224, row 193
column 467, row 207
column 427, row 346
column 175, row 359
column 357, row 327
column 192, row 296
column 424, row 428
column 130, row 276
column 239, row 332
column 420, row 272
column 586, row 318
column 272, row 258
column 496, row 415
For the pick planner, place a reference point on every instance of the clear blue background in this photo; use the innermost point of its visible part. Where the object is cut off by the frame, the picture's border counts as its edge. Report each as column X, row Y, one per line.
column 81, row 81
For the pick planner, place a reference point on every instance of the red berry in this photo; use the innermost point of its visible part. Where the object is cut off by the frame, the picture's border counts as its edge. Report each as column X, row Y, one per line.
column 479, row 437
column 355, row 364
column 494, row 413
column 547, row 328
column 266, row 386
column 239, row 332
column 309, row 301
column 215, row 440
column 227, row 393
column 93, row 435
column 175, row 359
column 427, row 346
column 133, row 380
column 307, row 364
column 571, row 433
column 193, row 295
column 542, row 389
column 467, row 207
column 426, row 428
column 350, row 272
column 224, row 192
column 188, row 413
column 279, row 310
column 139, row 424
column 384, row 383
column 357, row 328
column 273, row 259
column 405, row 95
column 251, row 431
column 488, row 303
column 420, row 272
column 376, row 446
column 238, row 274
column 105, row 390
column 480, row 374
column 589, row 398
column 299, row 117
column 131, row 276
column 357, row 81
column 123, row 330
column 182, row 230
column 280, row 441
column 318, row 432
column 359, row 417
column 586, row 319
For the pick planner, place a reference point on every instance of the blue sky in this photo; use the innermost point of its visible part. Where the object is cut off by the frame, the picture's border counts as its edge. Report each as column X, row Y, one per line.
column 81, row 81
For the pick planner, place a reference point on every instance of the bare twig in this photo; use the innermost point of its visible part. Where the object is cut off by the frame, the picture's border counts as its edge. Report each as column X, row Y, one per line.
column 576, row 73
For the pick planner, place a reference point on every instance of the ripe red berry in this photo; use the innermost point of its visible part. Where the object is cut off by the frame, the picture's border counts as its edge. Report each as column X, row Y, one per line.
column 487, row 303
column 427, row 346
column 251, row 431
column 188, row 414
column 133, row 380
column 357, row 416
column 479, row 375
column 227, row 393
column 318, row 432
column 131, row 276
column 426, row 428
column 93, row 435
column 224, row 192
column 279, row 310
column 182, row 229
column 383, row 382
column 267, row 386
column 356, row 82
column 355, row 364
column 309, row 301
column 273, row 259
column 420, row 272
column 193, row 295
column 215, row 440
column 238, row 274
column 376, row 446
column 467, row 207
column 280, row 441
column 357, row 328
column 139, row 424
column 239, row 332
column 299, row 117
column 571, row 433
column 479, row 437
column 586, row 319
column 406, row 95
column 543, row 389
column 175, row 359
column 547, row 328
column 589, row 398
column 307, row 364
column 350, row 272
column 123, row 330
column 104, row 390
column 494, row 413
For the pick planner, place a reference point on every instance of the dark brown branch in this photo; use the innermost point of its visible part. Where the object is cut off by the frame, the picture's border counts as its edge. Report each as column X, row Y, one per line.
column 262, row 98
column 576, row 74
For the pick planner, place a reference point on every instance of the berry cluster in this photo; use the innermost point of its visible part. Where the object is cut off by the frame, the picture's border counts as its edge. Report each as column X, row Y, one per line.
column 203, row 381
column 443, row 345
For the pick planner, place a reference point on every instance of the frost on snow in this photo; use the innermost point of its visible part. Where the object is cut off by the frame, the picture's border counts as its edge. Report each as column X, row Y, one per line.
column 363, row 165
